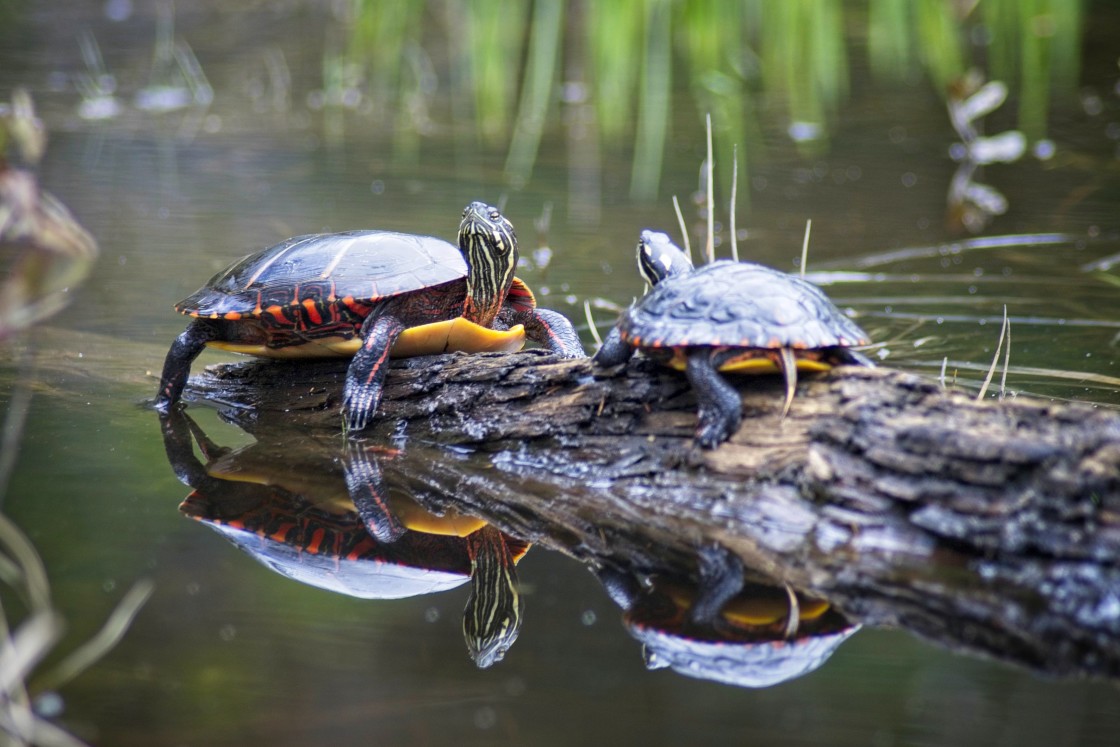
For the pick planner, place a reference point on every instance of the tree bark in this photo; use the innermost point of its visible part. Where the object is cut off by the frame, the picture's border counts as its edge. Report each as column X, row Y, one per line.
column 990, row 527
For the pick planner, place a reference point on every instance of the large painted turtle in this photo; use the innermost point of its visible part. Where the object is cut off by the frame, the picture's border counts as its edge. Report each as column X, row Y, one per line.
column 297, row 516
column 372, row 295
column 728, row 317
column 764, row 636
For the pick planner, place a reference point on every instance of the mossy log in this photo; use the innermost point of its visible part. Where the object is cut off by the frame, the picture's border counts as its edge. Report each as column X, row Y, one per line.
column 991, row 527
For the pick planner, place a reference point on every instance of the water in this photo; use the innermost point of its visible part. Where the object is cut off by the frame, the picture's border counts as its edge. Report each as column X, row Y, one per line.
column 228, row 652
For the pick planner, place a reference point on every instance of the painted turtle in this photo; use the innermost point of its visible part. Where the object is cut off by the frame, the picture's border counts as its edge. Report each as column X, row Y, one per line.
column 373, row 295
column 731, row 317
column 295, row 514
column 759, row 638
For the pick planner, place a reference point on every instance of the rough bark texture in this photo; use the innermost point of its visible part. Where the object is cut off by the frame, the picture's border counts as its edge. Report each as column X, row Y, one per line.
column 988, row 527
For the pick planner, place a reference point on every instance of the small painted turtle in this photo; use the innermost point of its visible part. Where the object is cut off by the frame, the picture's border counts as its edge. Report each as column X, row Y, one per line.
column 730, row 317
column 373, row 295
column 758, row 639
column 293, row 512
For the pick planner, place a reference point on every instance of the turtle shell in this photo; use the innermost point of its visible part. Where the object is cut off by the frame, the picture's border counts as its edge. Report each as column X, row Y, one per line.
column 738, row 305
column 749, row 648
column 331, row 551
column 292, row 512
column 321, row 270
column 743, row 664
column 328, row 546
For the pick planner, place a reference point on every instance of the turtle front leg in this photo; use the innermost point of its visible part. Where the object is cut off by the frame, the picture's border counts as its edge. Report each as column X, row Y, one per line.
column 721, row 579
column 554, row 330
column 548, row 328
column 177, row 365
column 366, row 489
column 720, row 409
column 179, row 445
column 366, row 375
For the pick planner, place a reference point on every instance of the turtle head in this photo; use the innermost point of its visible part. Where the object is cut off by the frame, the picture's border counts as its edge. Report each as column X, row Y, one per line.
column 489, row 645
column 489, row 246
column 660, row 258
column 494, row 612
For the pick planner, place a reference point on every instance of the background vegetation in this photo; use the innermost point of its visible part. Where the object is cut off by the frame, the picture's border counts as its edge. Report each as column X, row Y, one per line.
column 505, row 67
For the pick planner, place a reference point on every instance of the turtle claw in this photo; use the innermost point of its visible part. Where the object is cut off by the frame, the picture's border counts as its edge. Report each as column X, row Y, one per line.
column 787, row 361
column 793, row 617
column 715, row 427
column 358, row 404
column 167, row 405
column 355, row 421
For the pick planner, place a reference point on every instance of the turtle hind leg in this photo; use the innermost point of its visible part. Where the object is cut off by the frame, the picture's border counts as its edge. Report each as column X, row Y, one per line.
column 720, row 408
column 787, row 361
column 365, row 378
column 177, row 365
column 614, row 351
column 849, row 357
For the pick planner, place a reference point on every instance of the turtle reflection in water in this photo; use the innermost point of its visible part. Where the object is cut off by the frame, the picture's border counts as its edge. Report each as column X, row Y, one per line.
column 348, row 534
column 764, row 636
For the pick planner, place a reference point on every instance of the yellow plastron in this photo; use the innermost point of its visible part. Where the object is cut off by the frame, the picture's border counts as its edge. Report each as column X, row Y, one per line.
column 449, row 336
column 754, row 611
column 753, row 362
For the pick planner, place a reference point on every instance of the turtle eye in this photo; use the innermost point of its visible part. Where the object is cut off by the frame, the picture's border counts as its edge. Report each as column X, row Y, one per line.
column 495, row 215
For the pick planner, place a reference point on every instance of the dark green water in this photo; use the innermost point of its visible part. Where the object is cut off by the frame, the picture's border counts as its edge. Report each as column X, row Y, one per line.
column 227, row 652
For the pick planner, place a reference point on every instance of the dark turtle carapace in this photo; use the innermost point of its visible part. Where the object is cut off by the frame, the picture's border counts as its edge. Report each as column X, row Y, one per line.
column 726, row 317
column 373, row 295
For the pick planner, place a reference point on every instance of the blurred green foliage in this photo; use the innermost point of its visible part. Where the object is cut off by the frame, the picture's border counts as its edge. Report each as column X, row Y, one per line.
column 792, row 59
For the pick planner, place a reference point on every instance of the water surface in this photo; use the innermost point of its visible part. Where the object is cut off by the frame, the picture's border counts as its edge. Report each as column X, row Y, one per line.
column 228, row 652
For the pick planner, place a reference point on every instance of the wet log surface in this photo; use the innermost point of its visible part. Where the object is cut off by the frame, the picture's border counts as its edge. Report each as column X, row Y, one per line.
column 992, row 528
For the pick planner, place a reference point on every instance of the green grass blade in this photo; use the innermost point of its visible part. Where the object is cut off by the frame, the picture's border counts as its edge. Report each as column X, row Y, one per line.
column 653, row 103
column 537, row 89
